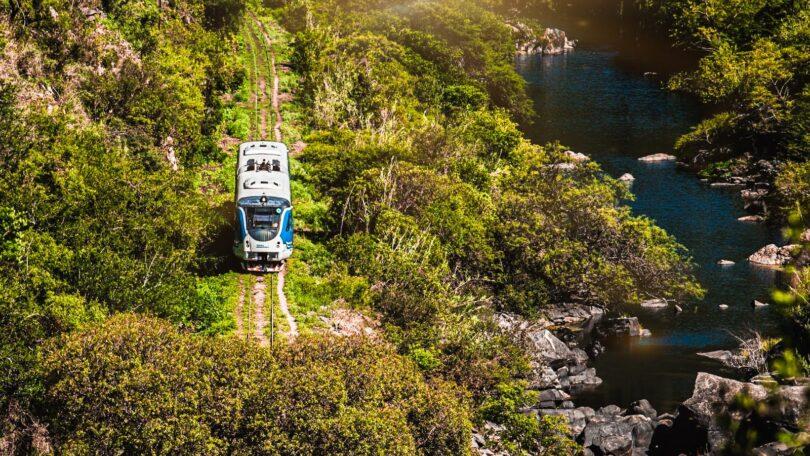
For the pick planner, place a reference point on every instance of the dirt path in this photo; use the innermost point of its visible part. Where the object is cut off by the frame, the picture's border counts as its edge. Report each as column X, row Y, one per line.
column 274, row 100
column 262, row 112
column 276, row 104
column 260, row 324
column 285, row 309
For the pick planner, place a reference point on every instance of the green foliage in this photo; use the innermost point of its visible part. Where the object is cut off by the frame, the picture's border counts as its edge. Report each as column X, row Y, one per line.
column 564, row 239
column 193, row 395
column 527, row 434
column 212, row 311
column 94, row 219
column 756, row 65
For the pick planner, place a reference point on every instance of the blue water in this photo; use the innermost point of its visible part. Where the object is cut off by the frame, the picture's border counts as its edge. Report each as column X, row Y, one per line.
column 597, row 101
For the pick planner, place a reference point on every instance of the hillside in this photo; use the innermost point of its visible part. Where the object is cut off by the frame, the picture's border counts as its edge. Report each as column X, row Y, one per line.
column 424, row 220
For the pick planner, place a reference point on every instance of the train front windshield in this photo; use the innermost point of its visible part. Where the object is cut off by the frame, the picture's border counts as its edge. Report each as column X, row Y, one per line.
column 263, row 222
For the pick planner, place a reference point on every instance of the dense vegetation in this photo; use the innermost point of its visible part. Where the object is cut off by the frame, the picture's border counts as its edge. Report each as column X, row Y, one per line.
column 756, row 66
column 421, row 202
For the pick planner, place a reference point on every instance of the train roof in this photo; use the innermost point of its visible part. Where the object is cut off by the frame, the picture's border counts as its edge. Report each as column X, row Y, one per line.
column 262, row 150
column 253, row 180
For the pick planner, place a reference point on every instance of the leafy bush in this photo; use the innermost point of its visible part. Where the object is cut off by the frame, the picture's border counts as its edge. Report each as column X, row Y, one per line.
column 135, row 385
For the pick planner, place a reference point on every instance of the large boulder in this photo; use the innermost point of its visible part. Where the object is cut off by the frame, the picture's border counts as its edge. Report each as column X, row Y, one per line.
column 555, row 41
column 550, row 41
column 773, row 255
column 618, row 435
column 697, row 427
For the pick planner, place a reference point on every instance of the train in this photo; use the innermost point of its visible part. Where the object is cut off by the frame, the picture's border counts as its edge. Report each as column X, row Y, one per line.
column 263, row 237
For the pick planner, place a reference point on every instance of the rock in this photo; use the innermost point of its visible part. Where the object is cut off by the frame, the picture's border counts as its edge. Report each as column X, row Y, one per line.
column 547, row 346
column 543, row 377
column 753, row 195
column 577, row 418
column 772, row 255
column 751, row 218
column 627, row 177
column 805, row 236
column 725, row 263
column 657, row 158
column 725, row 184
column 724, row 356
column 677, row 308
column 576, row 156
column 645, row 333
column 643, row 407
column 555, row 42
column 570, row 314
column 713, row 395
column 550, row 42
column 756, row 304
column 623, row 325
column 618, row 435
column 610, row 410
column 554, row 395
column 764, row 380
column 654, row 303
column 772, row 449
column 723, row 306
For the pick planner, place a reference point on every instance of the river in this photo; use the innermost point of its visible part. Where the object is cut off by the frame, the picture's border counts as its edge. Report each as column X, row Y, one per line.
column 597, row 100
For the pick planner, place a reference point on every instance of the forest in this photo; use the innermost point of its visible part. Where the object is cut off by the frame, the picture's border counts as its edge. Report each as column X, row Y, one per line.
column 421, row 206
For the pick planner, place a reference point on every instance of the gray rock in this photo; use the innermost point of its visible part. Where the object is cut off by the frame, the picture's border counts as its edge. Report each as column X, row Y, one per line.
column 757, row 304
column 657, row 158
column 724, row 356
column 723, row 306
column 713, row 395
column 627, row 177
column 547, row 346
column 554, row 395
column 654, row 303
column 618, row 435
column 764, row 380
column 576, row 156
column 623, row 325
column 773, row 255
column 772, row 449
column 643, row 407
column 751, row 218
column 725, row 263
column 645, row 333
column 610, row 410
column 577, row 418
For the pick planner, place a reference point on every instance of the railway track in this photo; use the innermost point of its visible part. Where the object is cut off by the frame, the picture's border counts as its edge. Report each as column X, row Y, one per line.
column 252, row 319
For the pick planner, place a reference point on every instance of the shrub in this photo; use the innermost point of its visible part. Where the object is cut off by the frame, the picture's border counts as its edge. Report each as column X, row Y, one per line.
column 136, row 385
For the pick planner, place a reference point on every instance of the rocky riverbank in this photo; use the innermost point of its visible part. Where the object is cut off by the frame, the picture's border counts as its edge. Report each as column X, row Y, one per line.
column 560, row 355
column 545, row 41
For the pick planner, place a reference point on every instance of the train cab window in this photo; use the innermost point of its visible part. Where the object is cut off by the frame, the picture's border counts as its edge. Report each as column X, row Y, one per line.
column 263, row 222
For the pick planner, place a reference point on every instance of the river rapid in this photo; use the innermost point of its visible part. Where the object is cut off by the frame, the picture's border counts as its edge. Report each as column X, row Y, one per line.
column 598, row 100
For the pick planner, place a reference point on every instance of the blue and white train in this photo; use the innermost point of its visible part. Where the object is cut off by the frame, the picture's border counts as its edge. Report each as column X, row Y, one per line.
column 264, row 215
